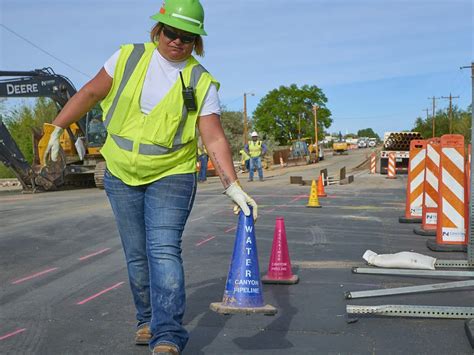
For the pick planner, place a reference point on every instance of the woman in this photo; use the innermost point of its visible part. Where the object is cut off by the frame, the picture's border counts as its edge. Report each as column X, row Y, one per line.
column 154, row 95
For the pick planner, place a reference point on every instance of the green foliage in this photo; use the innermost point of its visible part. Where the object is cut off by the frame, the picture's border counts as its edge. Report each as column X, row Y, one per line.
column 21, row 121
column 367, row 132
column 232, row 122
column 283, row 111
column 461, row 124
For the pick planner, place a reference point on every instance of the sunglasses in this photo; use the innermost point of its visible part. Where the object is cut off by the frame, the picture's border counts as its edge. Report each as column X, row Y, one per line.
column 186, row 39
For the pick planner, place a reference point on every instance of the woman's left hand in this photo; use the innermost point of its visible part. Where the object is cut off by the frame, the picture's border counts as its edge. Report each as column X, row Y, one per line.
column 242, row 200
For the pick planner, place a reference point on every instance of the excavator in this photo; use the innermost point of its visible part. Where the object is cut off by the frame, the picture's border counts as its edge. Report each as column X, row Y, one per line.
column 69, row 170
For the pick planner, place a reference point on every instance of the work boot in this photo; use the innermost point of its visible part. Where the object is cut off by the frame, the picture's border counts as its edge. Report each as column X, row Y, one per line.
column 143, row 335
column 249, row 180
column 165, row 349
column 260, row 179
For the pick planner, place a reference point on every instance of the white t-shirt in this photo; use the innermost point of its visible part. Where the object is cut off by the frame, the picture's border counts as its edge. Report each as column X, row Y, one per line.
column 160, row 77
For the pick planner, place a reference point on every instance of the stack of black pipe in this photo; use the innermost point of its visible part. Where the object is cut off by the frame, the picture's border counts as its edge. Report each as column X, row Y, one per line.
column 400, row 140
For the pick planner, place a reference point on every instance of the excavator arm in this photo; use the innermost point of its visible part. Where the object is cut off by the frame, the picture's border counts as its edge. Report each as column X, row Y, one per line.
column 39, row 83
column 42, row 174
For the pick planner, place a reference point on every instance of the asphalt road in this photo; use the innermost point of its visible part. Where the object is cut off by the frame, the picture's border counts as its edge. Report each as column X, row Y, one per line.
column 64, row 290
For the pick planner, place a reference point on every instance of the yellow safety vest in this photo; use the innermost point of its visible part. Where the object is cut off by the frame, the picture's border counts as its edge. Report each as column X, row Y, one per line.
column 142, row 148
column 255, row 148
column 244, row 154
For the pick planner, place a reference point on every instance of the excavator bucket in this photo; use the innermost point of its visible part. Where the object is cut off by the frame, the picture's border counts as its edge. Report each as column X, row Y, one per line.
column 13, row 158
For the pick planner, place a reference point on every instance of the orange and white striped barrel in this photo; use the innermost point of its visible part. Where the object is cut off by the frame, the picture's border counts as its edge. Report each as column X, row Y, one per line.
column 391, row 170
column 373, row 163
column 430, row 189
column 416, row 177
column 451, row 205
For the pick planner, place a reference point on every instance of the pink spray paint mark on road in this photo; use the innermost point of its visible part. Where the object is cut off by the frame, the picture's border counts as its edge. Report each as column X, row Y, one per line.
column 230, row 229
column 299, row 197
column 12, row 334
column 205, row 240
column 33, row 276
column 93, row 254
column 100, row 293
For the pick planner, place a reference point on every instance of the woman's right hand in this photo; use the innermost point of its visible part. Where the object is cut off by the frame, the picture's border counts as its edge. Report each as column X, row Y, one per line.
column 242, row 200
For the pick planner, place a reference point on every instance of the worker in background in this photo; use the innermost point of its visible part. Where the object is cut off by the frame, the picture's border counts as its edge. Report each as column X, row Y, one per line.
column 244, row 160
column 255, row 149
column 203, row 158
column 151, row 159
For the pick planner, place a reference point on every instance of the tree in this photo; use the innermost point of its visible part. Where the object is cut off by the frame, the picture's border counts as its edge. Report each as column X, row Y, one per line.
column 367, row 132
column 288, row 111
column 233, row 124
column 461, row 124
column 22, row 120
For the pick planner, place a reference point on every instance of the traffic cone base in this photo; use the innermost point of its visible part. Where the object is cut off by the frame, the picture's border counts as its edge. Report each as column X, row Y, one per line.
column 243, row 292
column 221, row 308
column 403, row 219
column 432, row 245
column 425, row 232
column 291, row 281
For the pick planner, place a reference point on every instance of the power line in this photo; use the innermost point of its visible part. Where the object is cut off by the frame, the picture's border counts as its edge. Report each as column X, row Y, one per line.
column 44, row 51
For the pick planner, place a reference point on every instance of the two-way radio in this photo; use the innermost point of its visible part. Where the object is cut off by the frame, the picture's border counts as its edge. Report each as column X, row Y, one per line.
column 188, row 96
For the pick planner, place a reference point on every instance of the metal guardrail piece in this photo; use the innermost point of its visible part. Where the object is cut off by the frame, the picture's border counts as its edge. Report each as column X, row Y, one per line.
column 454, row 264
column 408, row 289
column 412, row 311
column 412, row 272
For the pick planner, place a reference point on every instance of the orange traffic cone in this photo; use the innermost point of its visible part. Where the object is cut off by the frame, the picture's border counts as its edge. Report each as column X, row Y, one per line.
column 313, row 197
column 321, row 192
column 279, row 267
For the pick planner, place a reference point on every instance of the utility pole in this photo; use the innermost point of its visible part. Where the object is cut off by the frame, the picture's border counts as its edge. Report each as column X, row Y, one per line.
column 427, row 115
column 246, row 133
column 434, row 113
column 470, row 226
column 450, row 115
column 315, row 113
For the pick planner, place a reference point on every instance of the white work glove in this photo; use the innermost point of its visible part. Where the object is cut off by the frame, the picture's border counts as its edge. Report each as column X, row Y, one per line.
column 52, row 149
column 241, row 200
column 80, row 147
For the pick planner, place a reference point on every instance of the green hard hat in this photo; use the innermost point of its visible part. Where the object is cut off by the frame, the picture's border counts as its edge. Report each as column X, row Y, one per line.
column 186, row 15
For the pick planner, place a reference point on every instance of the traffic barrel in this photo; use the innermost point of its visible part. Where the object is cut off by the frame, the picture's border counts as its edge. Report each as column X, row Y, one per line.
column 430, row 188
column 392, row 167
column 373, row 163
column 243, row 292
column 451, row 227
column 416, row 176
column 279, row 266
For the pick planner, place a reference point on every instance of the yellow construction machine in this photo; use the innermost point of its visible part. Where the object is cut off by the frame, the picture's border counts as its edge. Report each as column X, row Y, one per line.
column 340, row 146
column 69, row 169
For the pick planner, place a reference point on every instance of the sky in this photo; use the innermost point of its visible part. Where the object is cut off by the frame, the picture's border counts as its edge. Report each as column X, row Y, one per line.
column 376, row 61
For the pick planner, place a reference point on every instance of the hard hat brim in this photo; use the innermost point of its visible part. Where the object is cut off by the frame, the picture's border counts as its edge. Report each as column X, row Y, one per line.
column 179, row 24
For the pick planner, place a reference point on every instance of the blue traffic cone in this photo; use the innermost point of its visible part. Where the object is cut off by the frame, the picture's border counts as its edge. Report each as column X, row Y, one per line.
column 243, row 292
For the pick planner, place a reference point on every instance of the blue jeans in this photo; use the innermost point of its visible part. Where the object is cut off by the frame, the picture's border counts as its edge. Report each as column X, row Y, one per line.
column 203, row 158
column 150, row 220
column 256, row 162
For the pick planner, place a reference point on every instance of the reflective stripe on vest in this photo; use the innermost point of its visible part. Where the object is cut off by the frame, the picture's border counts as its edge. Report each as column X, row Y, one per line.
column 150, row 149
